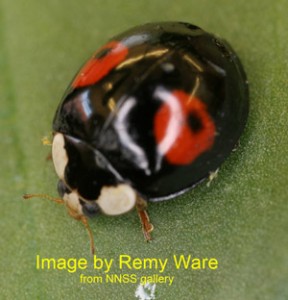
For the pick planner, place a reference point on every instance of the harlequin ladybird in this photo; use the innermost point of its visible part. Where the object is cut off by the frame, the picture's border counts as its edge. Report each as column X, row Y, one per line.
column 150, row 115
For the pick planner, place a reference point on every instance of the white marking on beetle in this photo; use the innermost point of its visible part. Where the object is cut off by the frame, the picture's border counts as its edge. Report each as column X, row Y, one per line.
column 125, row 137
column 116, row 200
column 59, row 155
column 176, row 120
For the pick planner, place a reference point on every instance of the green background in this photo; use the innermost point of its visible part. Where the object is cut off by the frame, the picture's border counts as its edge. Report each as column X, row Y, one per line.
column 241, row 219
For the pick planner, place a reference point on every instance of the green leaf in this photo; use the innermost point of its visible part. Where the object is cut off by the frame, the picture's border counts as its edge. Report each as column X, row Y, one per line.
column 241, row 219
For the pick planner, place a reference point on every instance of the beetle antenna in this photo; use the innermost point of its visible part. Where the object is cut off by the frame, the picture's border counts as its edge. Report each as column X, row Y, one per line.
column 86, row 224
column 44, row 196
column 81, row 218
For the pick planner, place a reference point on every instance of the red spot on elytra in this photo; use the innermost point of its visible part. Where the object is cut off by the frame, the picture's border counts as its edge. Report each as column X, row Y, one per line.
column 178, row 138
column 101, row 63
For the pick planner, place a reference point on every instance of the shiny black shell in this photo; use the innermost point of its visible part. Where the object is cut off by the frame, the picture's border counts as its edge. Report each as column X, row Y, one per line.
column 114, row 119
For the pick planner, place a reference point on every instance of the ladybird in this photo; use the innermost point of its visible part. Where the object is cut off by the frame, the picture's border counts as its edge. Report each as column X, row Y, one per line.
column 150, row 115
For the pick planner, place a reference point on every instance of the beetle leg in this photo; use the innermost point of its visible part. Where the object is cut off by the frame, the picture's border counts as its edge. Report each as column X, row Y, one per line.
column 147, row 227
column 46, row 141
column 86, row 224
column 49, row 156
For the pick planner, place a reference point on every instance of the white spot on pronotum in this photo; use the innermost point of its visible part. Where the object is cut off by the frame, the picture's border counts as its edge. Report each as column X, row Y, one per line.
column 73, row 203
column 59, row 154
column 145, row 292
column 116, row 200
